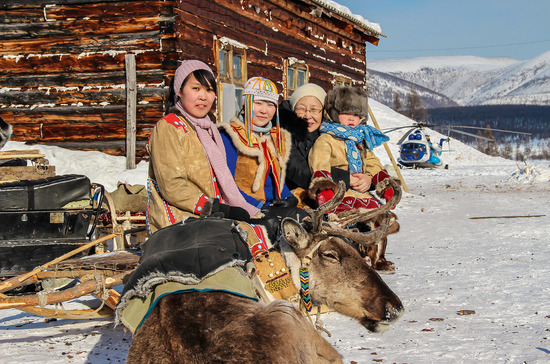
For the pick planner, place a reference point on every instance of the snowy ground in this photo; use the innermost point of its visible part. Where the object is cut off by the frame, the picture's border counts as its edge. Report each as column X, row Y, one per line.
column 446, row 262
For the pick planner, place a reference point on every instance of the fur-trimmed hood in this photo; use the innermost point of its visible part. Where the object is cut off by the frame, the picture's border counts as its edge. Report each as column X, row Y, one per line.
column 347, row 100
column 235, row 129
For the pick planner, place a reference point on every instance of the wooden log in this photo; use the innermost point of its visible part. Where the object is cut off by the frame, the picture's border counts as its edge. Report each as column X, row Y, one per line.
column 5, row 286
column 82, row 81
column 76, row 44
column 131, row 101
column 505, row 217
column 88, row 28
column 52, row 64
column 76, row 132
column 78, row 98
column 62, row 296
column 147, row 114
column 109, row 10
column 69, row 314
column 24, row 154
column 12, row 174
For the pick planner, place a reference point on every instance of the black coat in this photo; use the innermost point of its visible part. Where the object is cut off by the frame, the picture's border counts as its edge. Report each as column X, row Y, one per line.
column 298, row 173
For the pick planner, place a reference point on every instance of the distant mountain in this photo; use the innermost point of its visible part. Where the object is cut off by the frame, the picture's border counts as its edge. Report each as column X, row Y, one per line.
column 462, row 80
column 383, row 86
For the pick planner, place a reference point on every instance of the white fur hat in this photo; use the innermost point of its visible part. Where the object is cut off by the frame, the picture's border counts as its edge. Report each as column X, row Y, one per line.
column 309, row 89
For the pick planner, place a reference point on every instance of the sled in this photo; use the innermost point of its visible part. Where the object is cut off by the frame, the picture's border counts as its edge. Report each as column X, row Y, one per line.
column 76, row 277
column 44, row 218
column 53, row 242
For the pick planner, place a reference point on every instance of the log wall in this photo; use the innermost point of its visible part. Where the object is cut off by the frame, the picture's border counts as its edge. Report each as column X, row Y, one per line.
column 62, row 77
column 62, row 71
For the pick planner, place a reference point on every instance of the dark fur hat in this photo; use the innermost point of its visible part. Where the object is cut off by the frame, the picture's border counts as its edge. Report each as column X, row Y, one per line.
column 5, row 132
column 347, row 100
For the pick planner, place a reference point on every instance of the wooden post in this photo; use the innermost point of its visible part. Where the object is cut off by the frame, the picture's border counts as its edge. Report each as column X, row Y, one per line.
column 395, row 166
column 131, row 110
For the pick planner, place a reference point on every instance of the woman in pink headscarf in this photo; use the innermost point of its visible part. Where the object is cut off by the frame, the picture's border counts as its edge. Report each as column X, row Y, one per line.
column 188, row 173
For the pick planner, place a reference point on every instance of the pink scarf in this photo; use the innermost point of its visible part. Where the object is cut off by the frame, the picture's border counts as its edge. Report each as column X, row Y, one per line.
column 212, row 143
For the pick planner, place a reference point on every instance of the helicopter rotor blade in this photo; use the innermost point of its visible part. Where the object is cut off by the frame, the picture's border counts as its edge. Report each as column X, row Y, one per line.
column 397, row 128
column 479, row 128
column 466, row 133
column 405, row 135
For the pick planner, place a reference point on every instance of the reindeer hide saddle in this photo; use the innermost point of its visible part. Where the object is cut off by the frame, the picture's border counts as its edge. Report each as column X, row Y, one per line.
column 199, row 254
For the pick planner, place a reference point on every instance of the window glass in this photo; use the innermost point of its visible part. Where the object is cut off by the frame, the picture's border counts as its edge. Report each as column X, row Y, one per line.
column 290, row 78
column 223, row 63
column 302, row 74
column 237, row 66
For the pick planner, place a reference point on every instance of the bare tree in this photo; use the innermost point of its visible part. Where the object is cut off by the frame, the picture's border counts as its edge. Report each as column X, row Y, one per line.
column 415, row 109
column 397, row 104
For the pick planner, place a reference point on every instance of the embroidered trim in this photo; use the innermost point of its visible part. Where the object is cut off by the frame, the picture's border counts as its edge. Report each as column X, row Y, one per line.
column 167, row 208
column 261, row 246
column 200, row 204
column 304, row 288
column 174, row 120
column 321, row 174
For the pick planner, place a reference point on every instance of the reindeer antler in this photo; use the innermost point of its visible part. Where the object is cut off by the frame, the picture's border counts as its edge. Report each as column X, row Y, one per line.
column 362, row 238
column 317, row 215
column 338, row 223
column 351, row 217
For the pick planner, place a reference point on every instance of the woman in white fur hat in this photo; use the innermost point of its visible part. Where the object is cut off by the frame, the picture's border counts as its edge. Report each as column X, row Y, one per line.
column 301, row 115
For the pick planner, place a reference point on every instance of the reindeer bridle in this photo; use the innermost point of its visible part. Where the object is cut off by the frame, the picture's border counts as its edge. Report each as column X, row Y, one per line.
column 338, row 226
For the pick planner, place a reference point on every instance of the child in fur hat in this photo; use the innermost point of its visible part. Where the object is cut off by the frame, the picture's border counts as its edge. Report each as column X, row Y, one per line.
column 257, row 149
column 346, row 142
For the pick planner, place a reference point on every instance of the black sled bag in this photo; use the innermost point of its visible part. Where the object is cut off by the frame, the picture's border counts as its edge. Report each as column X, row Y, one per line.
column 44, row 194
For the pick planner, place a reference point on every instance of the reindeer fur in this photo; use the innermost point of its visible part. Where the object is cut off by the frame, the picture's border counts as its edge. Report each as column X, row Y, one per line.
column 218, row 327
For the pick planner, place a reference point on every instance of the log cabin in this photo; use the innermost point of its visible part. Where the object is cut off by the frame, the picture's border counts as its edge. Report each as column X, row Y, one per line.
column 94, row 74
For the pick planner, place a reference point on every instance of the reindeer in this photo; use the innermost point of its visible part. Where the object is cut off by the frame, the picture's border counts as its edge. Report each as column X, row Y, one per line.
column 212, row 327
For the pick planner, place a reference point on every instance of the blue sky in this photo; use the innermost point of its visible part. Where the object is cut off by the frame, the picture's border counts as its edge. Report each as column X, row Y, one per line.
column 485, row 28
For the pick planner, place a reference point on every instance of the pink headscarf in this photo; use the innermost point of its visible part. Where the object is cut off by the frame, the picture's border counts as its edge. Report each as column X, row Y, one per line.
column 211, row 141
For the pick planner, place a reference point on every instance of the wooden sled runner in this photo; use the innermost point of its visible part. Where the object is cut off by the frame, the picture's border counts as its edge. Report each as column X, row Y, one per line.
column 94, row 275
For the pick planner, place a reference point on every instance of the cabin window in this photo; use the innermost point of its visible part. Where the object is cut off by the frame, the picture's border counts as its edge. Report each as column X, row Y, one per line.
column 296, row 75
column 342, row 81
column 232, row 75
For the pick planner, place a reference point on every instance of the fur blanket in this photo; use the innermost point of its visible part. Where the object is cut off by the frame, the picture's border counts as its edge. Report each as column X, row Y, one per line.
column 198, row 254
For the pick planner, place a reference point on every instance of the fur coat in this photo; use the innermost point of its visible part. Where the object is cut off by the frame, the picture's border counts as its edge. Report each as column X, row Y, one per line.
column 180, row 177
column 328, row 152
column 257, row 180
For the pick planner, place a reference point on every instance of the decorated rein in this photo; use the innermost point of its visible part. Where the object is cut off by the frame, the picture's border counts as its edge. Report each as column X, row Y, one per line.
column 304, row 278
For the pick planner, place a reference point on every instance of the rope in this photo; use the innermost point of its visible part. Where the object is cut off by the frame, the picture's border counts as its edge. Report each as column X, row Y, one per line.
column 104, row 296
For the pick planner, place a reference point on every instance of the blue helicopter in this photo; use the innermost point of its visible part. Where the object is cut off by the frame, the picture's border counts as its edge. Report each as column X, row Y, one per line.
column 416, row 150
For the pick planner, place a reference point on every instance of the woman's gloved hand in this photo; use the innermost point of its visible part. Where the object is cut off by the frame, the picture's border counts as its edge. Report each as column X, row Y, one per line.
column 287, row 202
column 213, row 205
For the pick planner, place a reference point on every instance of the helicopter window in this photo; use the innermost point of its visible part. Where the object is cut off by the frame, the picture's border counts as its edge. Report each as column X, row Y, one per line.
column 413, row 151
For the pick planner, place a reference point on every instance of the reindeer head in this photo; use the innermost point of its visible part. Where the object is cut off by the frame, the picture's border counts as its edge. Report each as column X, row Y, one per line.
column 338, row 277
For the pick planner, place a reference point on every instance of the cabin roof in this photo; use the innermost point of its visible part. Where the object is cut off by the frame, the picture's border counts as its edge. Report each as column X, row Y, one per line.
column 367, row 26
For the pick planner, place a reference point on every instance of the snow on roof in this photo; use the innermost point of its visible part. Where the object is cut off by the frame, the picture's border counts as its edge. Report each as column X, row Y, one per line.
column 343, row 11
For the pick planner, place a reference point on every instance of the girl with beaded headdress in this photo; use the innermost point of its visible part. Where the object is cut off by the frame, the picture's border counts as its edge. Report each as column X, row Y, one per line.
column 257, row 149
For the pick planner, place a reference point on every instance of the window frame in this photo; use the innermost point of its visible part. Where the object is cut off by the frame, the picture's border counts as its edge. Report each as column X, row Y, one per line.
column 296, row 66
column 343, row 81
column 228, row 77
